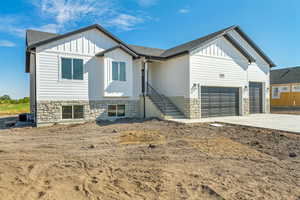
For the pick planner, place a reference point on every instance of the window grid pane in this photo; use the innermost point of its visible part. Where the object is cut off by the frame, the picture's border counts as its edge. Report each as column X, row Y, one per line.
column 66, row 68
column 122, row 71
column 121, row 111
column 78, row 112
column 77, row 69
column 67, row 112
column 115, row 71
column 112, row 110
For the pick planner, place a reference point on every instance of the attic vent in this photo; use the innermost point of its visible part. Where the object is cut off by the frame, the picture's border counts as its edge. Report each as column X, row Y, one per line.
column 222, row 75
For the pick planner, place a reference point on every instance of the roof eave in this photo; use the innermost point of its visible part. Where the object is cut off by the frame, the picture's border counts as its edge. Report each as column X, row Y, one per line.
column 255, row 47
column 133, row 54
column 97, row 26
column 239, row 48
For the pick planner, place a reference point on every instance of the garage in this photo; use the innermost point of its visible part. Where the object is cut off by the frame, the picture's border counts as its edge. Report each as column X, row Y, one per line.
column 219, row 101
column 255, row 97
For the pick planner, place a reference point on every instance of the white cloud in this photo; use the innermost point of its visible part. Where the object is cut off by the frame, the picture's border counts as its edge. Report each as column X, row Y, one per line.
column 61, row 15
column 184, row 11
column 125, row 22
column 6, row 43
column 146, row 3
column 51, row 28
column 65, row 11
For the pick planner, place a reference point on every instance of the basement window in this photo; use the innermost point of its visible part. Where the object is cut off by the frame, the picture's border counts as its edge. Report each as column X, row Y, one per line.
column 116, row 110
column 73, row 112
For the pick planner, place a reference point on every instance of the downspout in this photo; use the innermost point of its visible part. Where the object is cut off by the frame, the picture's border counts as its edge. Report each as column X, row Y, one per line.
column 143, row 89
column 145, row 84
column 32, row 63
column 35, row 90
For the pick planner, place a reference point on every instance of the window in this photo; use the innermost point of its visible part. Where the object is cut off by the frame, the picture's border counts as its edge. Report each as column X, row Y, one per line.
column 72, row 69
column 296, row 88
column 73, row 112
column 67, row 112
column 285, row 89
column 116, row 110
column 275, row 93
column 118, row 71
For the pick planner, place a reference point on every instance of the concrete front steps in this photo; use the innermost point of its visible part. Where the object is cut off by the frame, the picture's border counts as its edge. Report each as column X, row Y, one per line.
column 168, row 109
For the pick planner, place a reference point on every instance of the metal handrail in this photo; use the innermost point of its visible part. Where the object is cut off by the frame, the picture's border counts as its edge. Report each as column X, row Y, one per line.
column 152, row 93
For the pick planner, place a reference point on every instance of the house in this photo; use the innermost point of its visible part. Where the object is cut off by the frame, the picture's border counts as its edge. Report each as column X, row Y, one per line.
column 91, row 74
column 285, row 84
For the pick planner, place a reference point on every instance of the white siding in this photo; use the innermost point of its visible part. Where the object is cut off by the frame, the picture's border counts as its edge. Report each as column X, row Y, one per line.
column 222, row 65
column 216, row 59
column 118, row 88
column 49, row 84
column 137, row 78
column 96, row 84
column 171, row 77
column 258, row 71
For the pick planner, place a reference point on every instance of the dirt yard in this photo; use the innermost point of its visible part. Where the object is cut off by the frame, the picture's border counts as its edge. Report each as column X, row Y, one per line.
column 148, row 160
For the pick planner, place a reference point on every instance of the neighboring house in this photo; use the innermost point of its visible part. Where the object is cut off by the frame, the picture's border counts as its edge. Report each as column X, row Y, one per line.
column 90, row 74
column 285, row 85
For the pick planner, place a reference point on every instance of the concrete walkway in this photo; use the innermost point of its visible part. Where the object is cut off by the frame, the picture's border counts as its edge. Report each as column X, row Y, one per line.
column 282, row 122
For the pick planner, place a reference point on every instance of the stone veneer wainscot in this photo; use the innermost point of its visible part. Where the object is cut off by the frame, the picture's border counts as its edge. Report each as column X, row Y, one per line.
column 51, row 111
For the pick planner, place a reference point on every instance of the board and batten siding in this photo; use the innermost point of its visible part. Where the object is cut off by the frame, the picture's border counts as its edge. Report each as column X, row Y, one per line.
column 84, row 45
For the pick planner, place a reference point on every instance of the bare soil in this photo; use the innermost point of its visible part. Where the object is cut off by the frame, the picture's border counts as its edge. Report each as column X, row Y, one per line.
column 148, row 160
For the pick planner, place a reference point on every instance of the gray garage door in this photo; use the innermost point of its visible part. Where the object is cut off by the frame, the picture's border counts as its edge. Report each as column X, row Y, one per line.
column 255, row 97
column 219, row 101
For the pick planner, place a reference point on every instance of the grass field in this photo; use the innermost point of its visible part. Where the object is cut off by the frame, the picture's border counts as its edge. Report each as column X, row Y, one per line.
column 13, row 109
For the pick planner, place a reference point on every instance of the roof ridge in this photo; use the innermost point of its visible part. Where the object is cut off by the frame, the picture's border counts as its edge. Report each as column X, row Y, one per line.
column 222, row 30
column 147, row 47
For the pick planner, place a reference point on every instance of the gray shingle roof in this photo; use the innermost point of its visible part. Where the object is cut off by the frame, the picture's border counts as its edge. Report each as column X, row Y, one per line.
column 147, row 51
column 36, row 38
column 133, row 54
column 287, row 75
column 194, row 43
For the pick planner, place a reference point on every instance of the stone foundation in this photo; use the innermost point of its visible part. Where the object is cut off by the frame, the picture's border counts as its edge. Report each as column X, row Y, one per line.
column 191, row 108
column 246, row 107
column 51, row 111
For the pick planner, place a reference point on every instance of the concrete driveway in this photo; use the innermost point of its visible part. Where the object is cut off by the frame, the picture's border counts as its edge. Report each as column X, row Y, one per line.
column 282, row 122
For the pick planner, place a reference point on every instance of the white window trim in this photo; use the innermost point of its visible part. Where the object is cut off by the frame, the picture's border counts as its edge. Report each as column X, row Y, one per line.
column 60, row 79
column 118, row 71
column 273, row 94
column 116, row 111
column 78, row 119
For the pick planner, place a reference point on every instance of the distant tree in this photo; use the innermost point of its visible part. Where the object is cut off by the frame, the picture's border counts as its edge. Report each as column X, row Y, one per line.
column 26, row 100
column 5, row 97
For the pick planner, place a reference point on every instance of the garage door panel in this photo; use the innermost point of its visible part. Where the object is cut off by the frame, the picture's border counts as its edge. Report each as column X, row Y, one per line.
column 255, row 97
column 219, row 101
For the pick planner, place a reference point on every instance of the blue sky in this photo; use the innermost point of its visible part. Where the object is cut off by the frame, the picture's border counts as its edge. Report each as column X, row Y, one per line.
column 272, row 24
